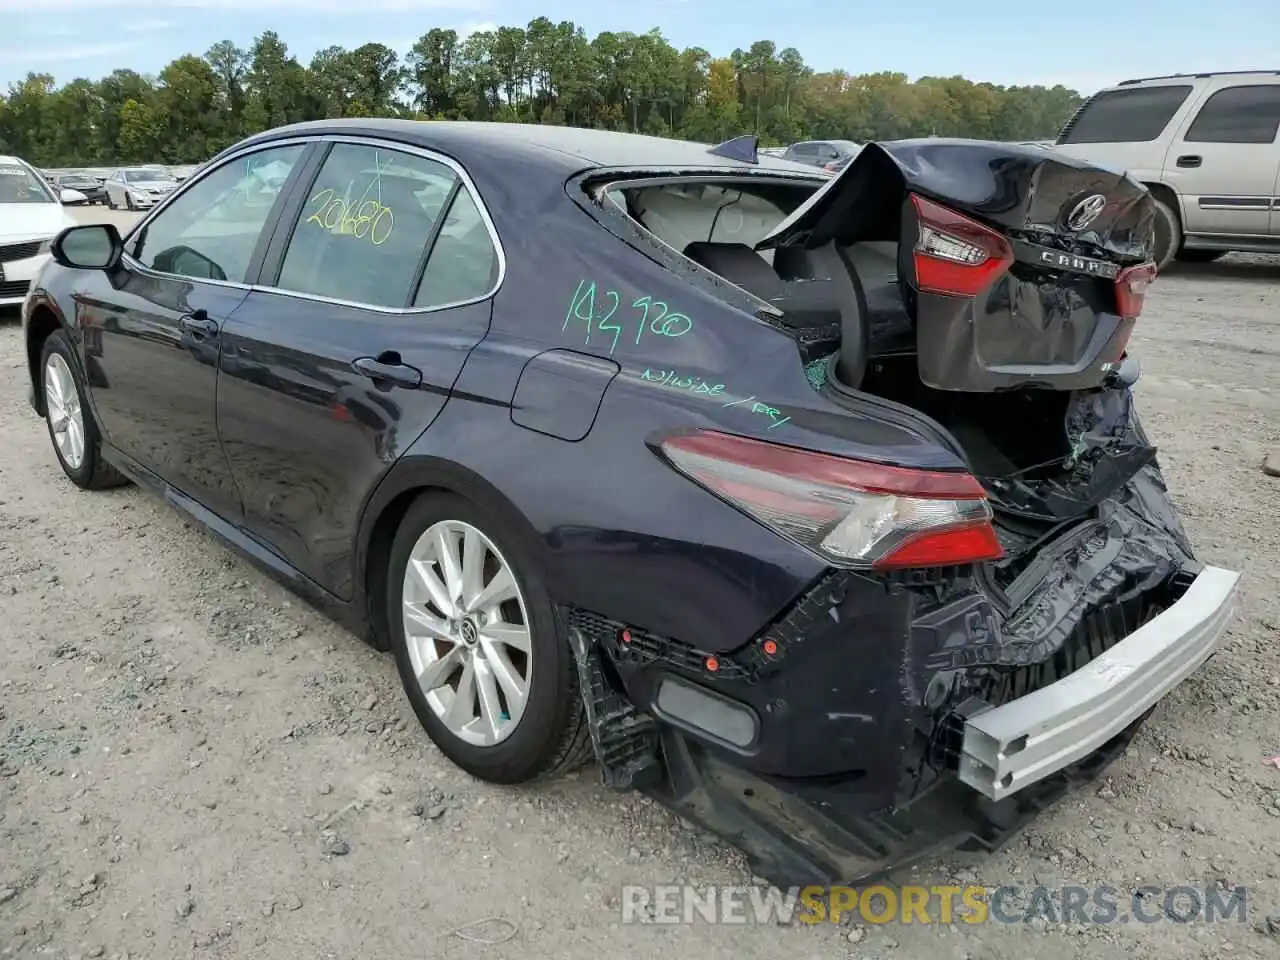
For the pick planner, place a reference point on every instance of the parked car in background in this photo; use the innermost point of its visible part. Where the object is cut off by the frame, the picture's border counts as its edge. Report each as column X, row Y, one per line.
column 815, row 506
column 92, row 189
column 31, row 215
column 1205, row 145
column 183, row 172
column 138, row 188
column 829, row 154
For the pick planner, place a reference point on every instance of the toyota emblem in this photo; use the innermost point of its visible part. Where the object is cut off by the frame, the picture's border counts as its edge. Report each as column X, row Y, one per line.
column 1085, row 212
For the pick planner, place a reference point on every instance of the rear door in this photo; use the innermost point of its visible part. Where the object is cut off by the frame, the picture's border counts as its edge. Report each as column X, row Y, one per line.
column 378, row 285
column 1223, row 161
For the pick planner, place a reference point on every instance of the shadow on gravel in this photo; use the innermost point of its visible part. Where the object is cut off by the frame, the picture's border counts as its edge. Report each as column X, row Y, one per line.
column 1254, row 272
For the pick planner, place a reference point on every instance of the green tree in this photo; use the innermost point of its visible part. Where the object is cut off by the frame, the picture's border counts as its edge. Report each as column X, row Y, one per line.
column 546, row 71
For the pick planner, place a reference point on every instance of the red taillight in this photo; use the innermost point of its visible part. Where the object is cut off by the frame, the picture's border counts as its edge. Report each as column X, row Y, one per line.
column 852, row 513
column 1131, row 289
column 955, row 255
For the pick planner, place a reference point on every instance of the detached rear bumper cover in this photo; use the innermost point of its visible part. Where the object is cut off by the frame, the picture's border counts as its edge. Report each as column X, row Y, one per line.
column 1009, row 747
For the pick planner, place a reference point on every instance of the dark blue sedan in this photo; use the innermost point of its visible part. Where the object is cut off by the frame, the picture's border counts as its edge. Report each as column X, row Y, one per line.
column 817, row 507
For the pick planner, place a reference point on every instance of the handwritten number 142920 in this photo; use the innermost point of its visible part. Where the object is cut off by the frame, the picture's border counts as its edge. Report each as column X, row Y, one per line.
column 598, row 310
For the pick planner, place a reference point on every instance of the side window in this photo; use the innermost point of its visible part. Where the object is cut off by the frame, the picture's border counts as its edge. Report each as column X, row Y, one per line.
column 364, row 229
column 210, row 231
column 1238, row 115
column 1133, row 115
column 463, row 264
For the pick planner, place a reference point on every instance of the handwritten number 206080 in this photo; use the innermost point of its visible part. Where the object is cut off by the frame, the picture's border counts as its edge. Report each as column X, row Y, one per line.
column 368, row 218
column 598, row 310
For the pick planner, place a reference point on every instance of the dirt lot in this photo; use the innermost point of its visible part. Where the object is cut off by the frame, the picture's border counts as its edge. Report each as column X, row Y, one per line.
column 194, row 763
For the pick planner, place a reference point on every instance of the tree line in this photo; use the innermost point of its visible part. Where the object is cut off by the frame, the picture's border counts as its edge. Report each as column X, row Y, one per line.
column 545, row 72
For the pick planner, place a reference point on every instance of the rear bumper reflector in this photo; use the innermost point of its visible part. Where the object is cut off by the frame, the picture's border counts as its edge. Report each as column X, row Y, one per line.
column 1021, row 742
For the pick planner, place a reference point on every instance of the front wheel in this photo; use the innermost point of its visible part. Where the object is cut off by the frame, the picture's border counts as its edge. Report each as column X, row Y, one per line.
column 71, row 425
column 478, row 646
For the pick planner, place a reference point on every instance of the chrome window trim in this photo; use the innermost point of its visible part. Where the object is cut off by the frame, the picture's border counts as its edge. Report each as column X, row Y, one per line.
column 135, row 265
column 378, row 143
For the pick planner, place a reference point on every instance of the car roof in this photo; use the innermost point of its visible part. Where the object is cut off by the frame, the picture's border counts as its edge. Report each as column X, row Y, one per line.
column 555, row 148
column 1241, row 75
column 17, row 160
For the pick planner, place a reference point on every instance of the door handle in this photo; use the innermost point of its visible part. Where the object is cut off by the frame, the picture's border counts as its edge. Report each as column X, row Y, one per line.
column 388, row 368
column 198, row 324
column 1189, row 160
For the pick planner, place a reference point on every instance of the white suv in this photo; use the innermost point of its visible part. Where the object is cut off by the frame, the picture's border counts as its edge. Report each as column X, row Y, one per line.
column 1205, row 145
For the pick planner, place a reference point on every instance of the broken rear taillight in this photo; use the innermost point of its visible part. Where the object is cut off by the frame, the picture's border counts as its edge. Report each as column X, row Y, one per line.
column 956, row 255
column 1131, row 289
column 851, row 513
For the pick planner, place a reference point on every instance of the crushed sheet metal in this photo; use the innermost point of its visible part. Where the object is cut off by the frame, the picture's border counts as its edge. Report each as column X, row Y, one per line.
column 1107, row 448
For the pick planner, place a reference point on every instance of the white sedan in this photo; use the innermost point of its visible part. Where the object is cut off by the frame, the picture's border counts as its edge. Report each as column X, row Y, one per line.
column 138, row 188
column 31, row 215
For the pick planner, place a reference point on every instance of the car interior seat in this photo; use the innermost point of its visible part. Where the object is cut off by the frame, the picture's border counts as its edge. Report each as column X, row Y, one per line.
column 813, row 289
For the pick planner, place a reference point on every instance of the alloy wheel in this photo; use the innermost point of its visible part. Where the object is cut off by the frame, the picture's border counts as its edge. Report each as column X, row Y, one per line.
column 66, row 420
column 466, row 627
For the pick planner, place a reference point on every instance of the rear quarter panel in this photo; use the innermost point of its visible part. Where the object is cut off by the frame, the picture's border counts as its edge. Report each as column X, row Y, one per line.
column 615, row 530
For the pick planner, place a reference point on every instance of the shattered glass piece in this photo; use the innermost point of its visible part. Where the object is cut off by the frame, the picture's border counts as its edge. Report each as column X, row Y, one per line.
column 816, row 371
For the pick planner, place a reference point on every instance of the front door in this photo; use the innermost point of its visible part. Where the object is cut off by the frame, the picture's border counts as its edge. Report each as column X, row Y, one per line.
column 381, row 274
column 153, row 327
column 1223, row 162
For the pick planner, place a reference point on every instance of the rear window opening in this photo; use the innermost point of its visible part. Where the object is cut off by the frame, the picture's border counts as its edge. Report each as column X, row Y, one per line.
column 717, row 224
column 690, row 214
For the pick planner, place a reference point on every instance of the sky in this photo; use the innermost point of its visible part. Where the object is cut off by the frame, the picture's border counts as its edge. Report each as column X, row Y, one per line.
column 1084, row 44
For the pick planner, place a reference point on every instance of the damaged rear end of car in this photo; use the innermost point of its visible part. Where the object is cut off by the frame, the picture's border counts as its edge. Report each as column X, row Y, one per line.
column 987, row 632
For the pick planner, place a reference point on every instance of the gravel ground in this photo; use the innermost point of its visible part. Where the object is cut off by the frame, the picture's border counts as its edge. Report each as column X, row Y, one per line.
column 194, row 763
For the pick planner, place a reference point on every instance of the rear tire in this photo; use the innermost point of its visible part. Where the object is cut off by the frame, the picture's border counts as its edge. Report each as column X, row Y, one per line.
column 72, row 430
column 1200, row 256
column 1168, row 235
column 474, row 651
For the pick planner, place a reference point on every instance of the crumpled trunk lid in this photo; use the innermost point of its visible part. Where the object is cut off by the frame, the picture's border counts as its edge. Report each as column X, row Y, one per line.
column 1057, row 240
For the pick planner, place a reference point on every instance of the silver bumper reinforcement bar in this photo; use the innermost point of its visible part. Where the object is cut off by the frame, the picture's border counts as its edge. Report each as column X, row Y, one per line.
column 1018, row 743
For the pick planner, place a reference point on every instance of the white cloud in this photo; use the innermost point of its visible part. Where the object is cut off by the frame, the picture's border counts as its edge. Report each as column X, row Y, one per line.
column 481, row 26
column 147, row 26
column 44, row 54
